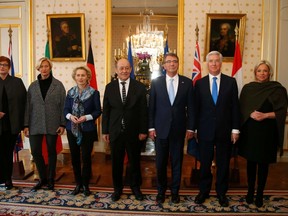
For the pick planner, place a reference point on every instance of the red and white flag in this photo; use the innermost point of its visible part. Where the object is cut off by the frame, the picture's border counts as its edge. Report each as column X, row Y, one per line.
column 237, row 67
column 196, row 73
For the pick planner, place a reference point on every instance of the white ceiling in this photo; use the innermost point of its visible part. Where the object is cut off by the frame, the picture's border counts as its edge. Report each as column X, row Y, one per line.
column 159, row 7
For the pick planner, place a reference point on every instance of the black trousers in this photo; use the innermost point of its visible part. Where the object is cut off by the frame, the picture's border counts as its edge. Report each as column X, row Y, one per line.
column 81, row 156
column 36, row 150
column 223, row 155
column 7, row 144
column 133, row 149
column 259, row 169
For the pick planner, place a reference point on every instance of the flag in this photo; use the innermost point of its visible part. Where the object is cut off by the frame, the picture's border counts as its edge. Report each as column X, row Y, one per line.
column 47, row 50
column 196, row 72
column 130, row 59
column 18, row 147
column 166, row 50
column 19, row 141
column 59, row 145
column 11, row 58
column 237, row 67
column 90, row 64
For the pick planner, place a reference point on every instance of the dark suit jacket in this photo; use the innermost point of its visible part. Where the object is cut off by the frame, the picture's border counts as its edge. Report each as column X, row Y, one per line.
column 134, row 111
column 216, row 121
column 16, row 96
column 162, row 115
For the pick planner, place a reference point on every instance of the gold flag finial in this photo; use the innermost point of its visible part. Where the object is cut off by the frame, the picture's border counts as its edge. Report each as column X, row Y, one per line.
column 197, row 32
column 236, row 32
column 10, row 32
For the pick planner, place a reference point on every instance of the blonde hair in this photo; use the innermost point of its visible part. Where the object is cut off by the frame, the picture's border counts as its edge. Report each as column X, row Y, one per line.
column 41, row 60
column 85, row 68
column 270, row 69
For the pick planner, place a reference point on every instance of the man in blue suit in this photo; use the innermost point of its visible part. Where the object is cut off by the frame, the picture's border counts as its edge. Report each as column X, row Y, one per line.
column 217, row 125
column 170, row 120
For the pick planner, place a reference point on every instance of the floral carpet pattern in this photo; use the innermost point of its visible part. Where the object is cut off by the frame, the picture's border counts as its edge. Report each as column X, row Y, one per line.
column 21, row 201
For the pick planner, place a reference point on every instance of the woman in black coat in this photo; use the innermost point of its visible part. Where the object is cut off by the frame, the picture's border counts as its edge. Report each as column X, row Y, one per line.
column 263, row 107
column 12, row 107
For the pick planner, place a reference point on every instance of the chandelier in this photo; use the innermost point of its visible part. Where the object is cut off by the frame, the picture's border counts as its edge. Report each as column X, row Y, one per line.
column 147, row 38
column 146, row 19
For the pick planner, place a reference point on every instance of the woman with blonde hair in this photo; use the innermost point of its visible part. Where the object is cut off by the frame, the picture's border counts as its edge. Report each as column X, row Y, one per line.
column 44, row 117
column 263, row 107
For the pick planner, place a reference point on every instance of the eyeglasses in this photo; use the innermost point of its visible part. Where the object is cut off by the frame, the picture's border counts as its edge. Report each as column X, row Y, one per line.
column 4, row 65
column 170, row 61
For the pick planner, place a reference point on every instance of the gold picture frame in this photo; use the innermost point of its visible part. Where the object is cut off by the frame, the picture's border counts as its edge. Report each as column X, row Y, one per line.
column 220, row 24
column 66, row 37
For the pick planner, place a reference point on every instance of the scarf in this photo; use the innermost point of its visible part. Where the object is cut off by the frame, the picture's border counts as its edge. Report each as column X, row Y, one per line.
column 254, row 94
column 78, row 108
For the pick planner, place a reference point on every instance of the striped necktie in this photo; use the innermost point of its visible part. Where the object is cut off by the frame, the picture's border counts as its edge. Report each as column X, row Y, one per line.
column 123, row 92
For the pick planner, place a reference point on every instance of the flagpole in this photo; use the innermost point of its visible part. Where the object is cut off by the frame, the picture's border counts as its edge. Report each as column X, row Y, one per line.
column 197, row 38
column 235, row 174
column 10, row 51
column 89, row 35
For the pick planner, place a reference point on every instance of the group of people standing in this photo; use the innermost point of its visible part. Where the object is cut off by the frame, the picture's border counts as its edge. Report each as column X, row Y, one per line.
column 210, row 111
column 45, row 111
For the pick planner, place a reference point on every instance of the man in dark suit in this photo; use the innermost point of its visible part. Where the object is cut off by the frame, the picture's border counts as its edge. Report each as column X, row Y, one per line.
column 170, row 120
column 124, row 125
column 217, row 125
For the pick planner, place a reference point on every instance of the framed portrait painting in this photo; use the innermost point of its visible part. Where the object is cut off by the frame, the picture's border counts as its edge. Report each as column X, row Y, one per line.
column 66, row 37
column 220, row 33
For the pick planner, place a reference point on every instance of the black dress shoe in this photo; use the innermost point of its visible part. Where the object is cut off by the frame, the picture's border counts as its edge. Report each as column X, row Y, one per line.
column 86, row 190
column 160, row 198
column 116, row 196
column 50, row 184
column 8, row 185
column 259, row 201
column 77, row 190
column 223, row 201
column 138, row 194
column 39, row 185
column 175, row 198
column 249, row 198
column 200, row 198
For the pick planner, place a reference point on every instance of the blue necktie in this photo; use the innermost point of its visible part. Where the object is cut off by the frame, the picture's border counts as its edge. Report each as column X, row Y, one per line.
column 214, row 90
column 171, row 91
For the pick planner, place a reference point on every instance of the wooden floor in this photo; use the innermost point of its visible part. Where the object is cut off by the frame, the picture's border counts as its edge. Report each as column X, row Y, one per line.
column 277, row 180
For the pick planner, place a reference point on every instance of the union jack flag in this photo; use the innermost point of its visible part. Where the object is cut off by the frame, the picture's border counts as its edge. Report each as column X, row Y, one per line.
column 196, row 72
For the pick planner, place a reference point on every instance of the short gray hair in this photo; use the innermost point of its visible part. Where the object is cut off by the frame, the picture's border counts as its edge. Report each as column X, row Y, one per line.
column 214, row 52
column 85, row 68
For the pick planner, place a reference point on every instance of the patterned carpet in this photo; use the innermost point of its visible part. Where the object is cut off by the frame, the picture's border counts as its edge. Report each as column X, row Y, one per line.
column 60, row 202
